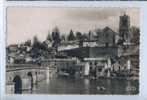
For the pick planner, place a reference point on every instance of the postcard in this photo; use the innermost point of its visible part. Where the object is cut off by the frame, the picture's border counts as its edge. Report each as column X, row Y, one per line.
column 83, row 51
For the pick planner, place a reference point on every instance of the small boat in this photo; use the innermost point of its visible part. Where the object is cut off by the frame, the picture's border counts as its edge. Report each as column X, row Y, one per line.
column 63, row 74
column 101, row 88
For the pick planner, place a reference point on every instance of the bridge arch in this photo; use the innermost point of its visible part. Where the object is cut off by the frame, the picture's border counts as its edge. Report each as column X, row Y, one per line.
column 17, row 84
column 30, row 79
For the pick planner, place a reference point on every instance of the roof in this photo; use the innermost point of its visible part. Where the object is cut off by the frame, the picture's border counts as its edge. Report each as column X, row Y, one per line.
column 109, row 29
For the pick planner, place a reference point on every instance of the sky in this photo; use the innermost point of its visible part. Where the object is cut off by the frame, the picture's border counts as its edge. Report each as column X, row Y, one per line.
column 24, row 23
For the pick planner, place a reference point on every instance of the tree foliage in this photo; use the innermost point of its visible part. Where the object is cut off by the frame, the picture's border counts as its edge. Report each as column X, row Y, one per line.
column 135, row 35
column 78, row 35
column 36, row 42
column 71, row 36
column 49, row 38
column 56, row 37
column 28, row 43
column 63, row 38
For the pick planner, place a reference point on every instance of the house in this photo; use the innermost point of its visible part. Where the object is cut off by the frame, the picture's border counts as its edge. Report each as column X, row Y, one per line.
column 106, row 37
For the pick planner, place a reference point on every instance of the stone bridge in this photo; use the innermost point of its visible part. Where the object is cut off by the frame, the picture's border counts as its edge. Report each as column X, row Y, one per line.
column 21, row 78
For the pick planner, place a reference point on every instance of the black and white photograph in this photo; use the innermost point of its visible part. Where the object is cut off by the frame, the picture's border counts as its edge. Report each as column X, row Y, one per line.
column 82, row 51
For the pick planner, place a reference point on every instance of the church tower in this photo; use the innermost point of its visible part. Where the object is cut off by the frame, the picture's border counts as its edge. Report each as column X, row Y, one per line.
column 124, row 28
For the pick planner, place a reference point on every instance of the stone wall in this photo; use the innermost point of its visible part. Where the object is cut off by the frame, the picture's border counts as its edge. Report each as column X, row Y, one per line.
column 37, row 73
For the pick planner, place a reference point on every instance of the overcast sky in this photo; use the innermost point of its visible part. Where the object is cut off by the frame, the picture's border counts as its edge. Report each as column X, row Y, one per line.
column 24, row 23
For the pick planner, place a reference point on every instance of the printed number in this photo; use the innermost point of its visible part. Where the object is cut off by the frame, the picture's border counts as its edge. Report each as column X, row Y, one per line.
column 131, row 88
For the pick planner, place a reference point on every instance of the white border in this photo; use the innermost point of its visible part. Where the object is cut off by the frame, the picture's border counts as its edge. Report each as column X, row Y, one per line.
column 143, row 47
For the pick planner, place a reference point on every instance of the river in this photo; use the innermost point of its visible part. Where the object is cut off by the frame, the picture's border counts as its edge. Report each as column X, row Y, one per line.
column 87, row 86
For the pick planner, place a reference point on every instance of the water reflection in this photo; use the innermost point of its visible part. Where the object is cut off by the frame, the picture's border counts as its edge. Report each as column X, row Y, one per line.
column 87, row 86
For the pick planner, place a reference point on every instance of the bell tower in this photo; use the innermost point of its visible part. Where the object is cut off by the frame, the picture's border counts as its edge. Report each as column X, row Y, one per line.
column 124, row 28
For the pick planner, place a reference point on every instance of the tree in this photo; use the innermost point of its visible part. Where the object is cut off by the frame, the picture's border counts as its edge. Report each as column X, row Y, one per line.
column 85, row 37
column 99, row 33
column 49, row 38
column 36, row 42
column 135, row 35
column 56, row 37
column 36, row 47
column 78, row 35
column 56, row 34
column 80, row 38
column 89, row 35
column 71, row 36
column 63, row 38
column 28, row 43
